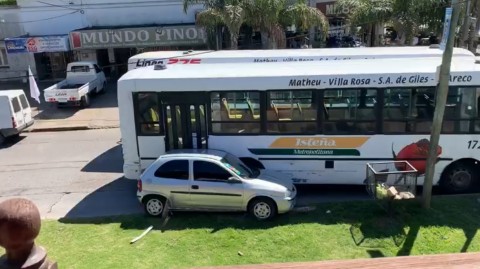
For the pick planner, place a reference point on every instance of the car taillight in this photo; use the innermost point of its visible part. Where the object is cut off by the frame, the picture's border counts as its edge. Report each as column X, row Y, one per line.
column 72, row 98
column 14, row 124
column 139, row 185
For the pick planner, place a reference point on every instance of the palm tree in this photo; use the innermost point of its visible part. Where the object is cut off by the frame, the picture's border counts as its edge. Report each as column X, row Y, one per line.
column 271, row 16
column 232, row 16
column 213, row 32
column 406, row 16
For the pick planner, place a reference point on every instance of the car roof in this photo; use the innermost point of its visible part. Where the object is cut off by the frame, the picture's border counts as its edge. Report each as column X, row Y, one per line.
column 195, row 153
column 11, row 93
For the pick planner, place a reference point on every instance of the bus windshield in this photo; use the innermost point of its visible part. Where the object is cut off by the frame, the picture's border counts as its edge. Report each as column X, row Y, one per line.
column 237, row 166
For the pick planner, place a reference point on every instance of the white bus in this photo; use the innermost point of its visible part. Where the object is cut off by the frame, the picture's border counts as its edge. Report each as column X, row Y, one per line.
column 288, row 55
column 318, row 122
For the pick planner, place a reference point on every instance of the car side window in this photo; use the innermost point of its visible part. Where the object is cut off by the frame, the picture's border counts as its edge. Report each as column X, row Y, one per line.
column 176, row 169
column 207, row 171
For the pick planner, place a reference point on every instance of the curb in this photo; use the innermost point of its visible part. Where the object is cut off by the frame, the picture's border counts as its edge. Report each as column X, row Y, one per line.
column 68, row 128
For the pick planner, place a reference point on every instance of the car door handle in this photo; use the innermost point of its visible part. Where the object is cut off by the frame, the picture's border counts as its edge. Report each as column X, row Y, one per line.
column 195, row 187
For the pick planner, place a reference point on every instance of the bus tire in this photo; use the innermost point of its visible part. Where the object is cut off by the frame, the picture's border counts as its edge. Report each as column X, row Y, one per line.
column 459, row 177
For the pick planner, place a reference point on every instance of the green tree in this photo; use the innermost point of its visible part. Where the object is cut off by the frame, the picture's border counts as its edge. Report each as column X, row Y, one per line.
column 407, row 17
column 270, row 17
column 232, row 16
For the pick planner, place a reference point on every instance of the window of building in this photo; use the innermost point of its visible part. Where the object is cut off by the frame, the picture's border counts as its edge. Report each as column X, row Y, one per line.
column 207, row 171
column 177, row 169
column 148, row 113
column 3, row 57
column 236, row 112
column 291, row 112
column 350, row 111
column 408, row 110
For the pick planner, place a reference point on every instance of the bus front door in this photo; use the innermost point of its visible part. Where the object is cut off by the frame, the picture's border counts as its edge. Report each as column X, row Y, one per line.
column 186, row 126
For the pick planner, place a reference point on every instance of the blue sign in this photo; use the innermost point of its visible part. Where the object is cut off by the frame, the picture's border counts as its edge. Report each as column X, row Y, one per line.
column 37, row 44
column 446, row 28
column 15, row 45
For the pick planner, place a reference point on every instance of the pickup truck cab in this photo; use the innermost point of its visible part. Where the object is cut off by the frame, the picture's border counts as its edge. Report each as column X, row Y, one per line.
column 83, row 80
column 15, row 113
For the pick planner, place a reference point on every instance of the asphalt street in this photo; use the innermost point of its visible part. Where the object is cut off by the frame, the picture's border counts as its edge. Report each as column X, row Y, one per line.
column 79, row 174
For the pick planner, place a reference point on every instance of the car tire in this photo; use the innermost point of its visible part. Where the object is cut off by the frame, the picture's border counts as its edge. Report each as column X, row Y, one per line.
column 262, row 209
column 154, row 205
column 2, row 139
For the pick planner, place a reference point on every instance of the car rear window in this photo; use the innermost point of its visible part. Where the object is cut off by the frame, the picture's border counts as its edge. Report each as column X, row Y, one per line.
column 176, row 169
column 16, row 105
column 24, row 102
column 80, row 68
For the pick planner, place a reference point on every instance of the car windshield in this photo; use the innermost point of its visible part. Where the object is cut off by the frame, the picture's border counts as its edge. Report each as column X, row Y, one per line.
column 237, row 166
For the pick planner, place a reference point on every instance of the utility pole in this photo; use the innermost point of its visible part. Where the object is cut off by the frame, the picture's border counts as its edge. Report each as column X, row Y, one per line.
column 440, row 101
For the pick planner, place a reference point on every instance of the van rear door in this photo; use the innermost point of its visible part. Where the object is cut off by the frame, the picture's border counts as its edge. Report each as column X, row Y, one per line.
column 26, row 109
column 18, row 117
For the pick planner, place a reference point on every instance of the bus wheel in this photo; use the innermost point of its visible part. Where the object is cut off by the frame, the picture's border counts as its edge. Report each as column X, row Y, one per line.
column 458, row 178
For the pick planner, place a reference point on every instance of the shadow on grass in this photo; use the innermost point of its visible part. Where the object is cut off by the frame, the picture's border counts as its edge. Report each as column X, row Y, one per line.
column 370, row 224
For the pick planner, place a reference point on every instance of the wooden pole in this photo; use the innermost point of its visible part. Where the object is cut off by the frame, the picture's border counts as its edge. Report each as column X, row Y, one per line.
column 440, row 102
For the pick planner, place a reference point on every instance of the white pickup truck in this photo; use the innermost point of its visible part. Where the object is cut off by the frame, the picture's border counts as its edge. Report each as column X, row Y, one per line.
column 83, row 80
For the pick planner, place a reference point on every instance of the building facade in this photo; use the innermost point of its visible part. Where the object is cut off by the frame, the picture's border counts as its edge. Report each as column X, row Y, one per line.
column 49, row 34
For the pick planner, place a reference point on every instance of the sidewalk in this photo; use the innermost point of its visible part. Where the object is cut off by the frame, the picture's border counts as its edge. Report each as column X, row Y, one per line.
column 439, row 261
column 102, row 114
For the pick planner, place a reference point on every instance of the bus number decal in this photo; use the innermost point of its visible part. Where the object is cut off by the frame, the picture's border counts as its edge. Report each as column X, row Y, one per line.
column 184, row 61
column 473, row 144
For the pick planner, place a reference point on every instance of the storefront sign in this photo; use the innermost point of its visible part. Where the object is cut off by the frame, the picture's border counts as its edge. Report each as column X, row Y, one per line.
column 37, row 44
column 330, row 9
column 183, row 35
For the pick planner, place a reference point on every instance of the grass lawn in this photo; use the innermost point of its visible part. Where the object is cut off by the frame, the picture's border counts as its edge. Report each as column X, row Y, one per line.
column 196, row 239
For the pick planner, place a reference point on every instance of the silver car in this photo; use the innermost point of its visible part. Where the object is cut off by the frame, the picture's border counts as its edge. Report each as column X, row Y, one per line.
column 213, row 180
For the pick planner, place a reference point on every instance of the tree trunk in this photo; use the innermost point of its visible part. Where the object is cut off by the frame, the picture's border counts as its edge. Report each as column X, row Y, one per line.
column 265, row 40
column 233, row 40
column 472, row 40
column 465, row 26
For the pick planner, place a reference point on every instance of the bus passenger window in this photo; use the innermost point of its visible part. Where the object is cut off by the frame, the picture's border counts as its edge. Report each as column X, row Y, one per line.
column 460, row 110
column 291, row 112
column 408, row 110
column 148, row 113
column 235, row 112
column 350, row 111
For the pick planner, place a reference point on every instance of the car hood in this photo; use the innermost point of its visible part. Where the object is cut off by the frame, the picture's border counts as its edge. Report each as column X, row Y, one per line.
column 276, row 177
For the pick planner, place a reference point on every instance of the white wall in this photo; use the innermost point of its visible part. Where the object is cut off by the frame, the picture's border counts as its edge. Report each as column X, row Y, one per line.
column 100, row 13
column 17, row 63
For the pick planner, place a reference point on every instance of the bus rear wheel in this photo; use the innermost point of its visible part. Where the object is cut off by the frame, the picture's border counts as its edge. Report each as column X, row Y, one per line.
column 459, row 177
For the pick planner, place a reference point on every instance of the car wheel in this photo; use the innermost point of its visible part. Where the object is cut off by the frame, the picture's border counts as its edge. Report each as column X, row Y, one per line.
column 154, row 206
column 263, row 209
column 2, row 139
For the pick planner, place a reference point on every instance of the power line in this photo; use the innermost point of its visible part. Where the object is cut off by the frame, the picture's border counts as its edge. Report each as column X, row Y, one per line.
column 46, row 19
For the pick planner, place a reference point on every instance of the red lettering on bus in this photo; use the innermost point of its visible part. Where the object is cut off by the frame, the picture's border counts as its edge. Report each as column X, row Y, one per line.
column 184, row 61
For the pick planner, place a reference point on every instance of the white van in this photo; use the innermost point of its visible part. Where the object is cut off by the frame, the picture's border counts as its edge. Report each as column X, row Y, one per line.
column 15, row 113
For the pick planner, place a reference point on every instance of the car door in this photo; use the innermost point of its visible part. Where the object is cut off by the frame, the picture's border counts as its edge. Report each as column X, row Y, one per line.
column 19, row 118
column 26, row 109
column 172, row 180
column 211, row 189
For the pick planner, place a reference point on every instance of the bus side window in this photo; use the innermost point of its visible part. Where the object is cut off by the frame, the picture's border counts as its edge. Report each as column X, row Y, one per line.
column 235, row 112
column 291, row 112
column 350, row 111
column 460, row 110
column 148, row 114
